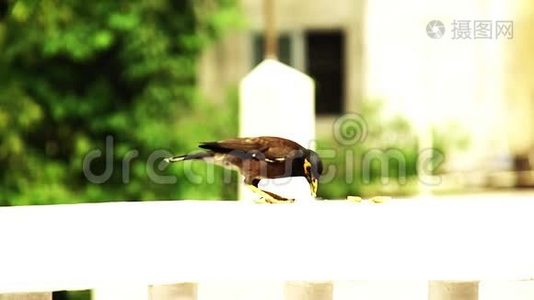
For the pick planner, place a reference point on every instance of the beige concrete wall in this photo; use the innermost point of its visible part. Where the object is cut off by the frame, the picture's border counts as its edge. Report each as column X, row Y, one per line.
column 229, row 60
column 223, row 64
column 466, row 82
column 389, row 57
column 519, row 75
column 298, row 14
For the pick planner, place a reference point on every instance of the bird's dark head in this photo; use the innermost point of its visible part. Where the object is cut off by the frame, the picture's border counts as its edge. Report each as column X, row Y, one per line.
column 313, row 168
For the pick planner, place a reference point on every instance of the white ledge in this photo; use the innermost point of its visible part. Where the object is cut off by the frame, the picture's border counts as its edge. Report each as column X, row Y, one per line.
column 90, row 245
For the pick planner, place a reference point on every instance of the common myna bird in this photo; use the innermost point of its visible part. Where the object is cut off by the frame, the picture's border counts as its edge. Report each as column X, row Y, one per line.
column 261, row 157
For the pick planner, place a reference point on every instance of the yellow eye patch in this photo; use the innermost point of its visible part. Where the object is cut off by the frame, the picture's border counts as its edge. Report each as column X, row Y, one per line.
column 307, row 166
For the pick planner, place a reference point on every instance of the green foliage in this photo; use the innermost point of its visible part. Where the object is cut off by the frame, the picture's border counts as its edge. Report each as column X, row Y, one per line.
column 382, row 163
column 448, row 138
column 385, row 161
column 72, row 295
column 74, row 72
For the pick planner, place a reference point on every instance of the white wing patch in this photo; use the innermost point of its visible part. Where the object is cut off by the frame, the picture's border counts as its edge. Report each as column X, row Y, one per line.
column 279, row 159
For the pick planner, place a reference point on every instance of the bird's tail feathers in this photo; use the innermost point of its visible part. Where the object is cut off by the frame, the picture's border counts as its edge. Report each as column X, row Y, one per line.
column 199, row 155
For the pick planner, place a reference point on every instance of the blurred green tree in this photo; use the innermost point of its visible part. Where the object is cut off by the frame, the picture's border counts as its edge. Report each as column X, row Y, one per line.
column 382, row 162
column 75, row 72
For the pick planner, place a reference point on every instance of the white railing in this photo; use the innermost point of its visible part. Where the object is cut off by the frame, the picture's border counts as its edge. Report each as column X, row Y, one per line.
column 343, row 248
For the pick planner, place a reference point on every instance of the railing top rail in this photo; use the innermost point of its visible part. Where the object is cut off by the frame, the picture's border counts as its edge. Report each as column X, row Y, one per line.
column 88, row 245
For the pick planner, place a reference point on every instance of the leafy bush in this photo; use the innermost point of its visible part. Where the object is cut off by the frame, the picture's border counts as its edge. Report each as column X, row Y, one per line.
column 381, row 162
column 74, row 72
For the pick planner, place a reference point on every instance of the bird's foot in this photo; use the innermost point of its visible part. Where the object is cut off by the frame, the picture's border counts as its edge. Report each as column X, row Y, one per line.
column 281, row 200
column 260, row 201
column 270, row 200
column 273, row 198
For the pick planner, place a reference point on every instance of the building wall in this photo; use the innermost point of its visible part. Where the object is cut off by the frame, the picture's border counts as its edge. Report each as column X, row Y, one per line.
column 223, row 64
column 519, row 74
column 228, row 61
column 485, row 87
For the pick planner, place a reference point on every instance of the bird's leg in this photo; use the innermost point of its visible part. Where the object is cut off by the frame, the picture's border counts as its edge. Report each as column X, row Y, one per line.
column 265, row 195
column 277, row 198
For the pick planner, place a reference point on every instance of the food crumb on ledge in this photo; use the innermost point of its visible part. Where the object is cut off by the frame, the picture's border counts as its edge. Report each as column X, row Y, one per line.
column 354, row 198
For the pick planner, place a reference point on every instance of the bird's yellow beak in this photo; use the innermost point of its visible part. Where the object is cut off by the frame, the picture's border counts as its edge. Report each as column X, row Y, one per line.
column 314, row 184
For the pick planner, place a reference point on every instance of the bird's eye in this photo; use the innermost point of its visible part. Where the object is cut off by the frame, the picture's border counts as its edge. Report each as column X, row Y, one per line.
column 307, row 171
column 307, row 167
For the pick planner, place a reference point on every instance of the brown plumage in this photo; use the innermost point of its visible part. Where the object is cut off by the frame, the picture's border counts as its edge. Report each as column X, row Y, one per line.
column 261, row 157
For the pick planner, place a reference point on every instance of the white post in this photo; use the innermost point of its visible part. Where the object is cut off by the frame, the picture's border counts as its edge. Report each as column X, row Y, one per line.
column 277, row 100
column 295, row 290
column 26, row 296
column 453, row 290
column 178, row 291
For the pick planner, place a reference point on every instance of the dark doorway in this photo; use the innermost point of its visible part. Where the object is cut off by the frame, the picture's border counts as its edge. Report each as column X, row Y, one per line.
column 325, row 64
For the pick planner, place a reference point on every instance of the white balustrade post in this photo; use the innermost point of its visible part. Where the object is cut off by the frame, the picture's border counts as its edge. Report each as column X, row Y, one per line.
column 178, row 291
column 277, row 100
column 309, row 291
column 26, row 296
column 453, row 290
